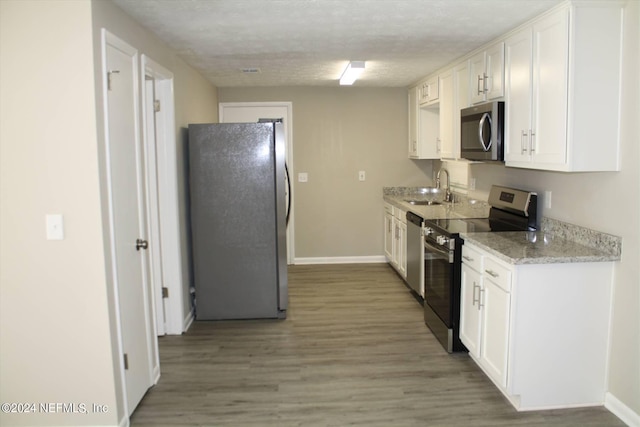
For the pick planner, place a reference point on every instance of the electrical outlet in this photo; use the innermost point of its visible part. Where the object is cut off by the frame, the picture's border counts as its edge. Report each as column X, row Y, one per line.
column 547, row 199
column 361, row 176
column 303, row 177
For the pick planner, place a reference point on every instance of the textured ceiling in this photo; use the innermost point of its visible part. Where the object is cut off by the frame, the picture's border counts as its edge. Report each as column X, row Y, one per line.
column 309, row 42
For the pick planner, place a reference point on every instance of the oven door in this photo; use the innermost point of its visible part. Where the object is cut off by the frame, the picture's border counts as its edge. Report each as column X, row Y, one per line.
column 438, row 279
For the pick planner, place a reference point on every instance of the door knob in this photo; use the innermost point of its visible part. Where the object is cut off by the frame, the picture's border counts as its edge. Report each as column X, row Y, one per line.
column 141, row 244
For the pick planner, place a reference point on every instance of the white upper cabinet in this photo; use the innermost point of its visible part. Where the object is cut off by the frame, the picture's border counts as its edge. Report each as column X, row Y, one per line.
column 487, row 74
column 445, row 142
column 428, row 91
column 413, row 122
column 562, row 90
column 424, row 124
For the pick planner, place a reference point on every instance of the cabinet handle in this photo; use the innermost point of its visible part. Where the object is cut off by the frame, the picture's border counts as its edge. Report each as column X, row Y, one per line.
column 475, row 300
column 532, row 140
column 480, row 304
column 438, row 144
column 480, row 79
column 467, row 258
column 492, row 273
column 485, row 86
column 523, row 144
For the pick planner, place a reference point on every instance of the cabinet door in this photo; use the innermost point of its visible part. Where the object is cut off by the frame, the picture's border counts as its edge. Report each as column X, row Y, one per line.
column 388, row 236
column 396, row 244
column 470, row 315
column 477, row 73
column 496, row 304
column 494, row 66
column 402, row 258
column 550, row 68
column 413, row 122
column 428, row 132
column 518, row 77
column 461, row 99
column 445, row 143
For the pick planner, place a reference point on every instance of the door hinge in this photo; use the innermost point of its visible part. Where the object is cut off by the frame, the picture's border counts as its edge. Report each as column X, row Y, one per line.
column 126, row 361
column 165, row 292
column 109, row 73
column 156, row 105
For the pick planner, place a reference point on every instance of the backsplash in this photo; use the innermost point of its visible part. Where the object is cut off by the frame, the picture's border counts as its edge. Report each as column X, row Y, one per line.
column 582, row 235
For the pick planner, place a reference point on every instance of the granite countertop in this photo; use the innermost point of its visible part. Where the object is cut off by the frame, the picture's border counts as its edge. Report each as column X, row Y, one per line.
column 555, row 242
column 536, row 247
column 462, row 208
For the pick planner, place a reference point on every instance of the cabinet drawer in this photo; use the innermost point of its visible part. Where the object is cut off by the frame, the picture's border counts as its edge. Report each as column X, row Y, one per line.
column 472, row 258
column 497, row 273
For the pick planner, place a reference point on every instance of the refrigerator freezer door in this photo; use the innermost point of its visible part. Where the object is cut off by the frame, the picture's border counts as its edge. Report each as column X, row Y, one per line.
column 234, row 220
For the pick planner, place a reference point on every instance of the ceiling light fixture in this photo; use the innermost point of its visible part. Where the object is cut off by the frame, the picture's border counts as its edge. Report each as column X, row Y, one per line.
column 352, row 72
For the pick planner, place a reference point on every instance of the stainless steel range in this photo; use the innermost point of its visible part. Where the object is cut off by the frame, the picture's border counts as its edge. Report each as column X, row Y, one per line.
column 511, row 210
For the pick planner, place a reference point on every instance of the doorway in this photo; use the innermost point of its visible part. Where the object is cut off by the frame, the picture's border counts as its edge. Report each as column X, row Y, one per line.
column 251, row 112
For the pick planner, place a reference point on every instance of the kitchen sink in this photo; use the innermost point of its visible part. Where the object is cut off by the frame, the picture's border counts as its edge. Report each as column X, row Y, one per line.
column 423, row 202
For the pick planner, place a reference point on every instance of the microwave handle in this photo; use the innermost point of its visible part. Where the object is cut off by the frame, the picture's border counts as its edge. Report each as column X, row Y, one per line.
column 485, row 116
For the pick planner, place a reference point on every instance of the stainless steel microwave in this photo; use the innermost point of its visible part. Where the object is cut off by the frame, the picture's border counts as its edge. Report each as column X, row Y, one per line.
column 482, row 132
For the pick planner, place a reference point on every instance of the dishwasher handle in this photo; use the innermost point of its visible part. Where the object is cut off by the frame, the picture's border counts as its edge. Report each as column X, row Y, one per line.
column 415, row 219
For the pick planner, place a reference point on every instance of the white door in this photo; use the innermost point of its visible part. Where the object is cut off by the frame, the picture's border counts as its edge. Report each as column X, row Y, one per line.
column 126, row 203
column 251, row 112
column 166, row 237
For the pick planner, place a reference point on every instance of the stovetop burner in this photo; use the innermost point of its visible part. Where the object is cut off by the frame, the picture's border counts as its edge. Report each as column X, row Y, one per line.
column 473, row 225
column 511, row 210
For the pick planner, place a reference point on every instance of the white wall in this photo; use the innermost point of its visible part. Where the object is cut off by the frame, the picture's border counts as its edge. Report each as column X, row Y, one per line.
column 55, row 343
column 336, row 133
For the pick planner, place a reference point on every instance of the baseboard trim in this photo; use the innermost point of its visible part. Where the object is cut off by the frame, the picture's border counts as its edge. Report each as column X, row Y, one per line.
column 186, row 323
column 622, row 411
column 341, row 260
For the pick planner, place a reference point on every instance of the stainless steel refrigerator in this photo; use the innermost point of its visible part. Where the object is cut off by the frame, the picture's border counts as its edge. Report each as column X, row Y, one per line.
column 238, row 220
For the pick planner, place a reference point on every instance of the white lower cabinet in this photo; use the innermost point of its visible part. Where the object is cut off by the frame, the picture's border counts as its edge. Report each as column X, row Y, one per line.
column 400, row 249
column 388, row 232
column 395, row 238
column 470, row 316
column 539, row 332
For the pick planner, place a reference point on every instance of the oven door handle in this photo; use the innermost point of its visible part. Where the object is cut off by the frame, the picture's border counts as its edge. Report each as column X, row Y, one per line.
column 437, row 249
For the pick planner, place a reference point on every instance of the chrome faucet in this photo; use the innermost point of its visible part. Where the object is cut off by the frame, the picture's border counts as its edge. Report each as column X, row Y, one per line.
column 448, row 197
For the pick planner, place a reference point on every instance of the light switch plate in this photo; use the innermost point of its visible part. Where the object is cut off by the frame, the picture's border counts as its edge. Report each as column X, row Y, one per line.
column 55, row 227
column 361, row 176
column 303, row 177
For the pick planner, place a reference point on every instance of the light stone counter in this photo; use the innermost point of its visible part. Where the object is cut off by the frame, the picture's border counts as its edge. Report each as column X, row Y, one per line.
column 541, row 247
column 462, row 208
column 556, row 242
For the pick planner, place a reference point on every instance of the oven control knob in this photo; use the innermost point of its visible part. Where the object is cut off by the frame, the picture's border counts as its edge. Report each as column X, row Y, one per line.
column 442, row 240
column 428, row 231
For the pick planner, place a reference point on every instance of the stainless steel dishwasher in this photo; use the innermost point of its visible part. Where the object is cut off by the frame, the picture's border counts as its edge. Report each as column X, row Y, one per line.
column 415, row 253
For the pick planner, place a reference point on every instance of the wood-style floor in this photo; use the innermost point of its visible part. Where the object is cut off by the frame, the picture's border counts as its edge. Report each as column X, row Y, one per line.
column 353, row 351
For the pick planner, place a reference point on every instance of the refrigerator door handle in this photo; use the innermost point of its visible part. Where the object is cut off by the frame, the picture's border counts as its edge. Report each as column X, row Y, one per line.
column 286, row 173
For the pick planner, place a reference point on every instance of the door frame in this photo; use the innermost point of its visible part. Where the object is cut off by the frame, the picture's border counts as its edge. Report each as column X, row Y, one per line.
column 288, row 158
column 163, row 202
